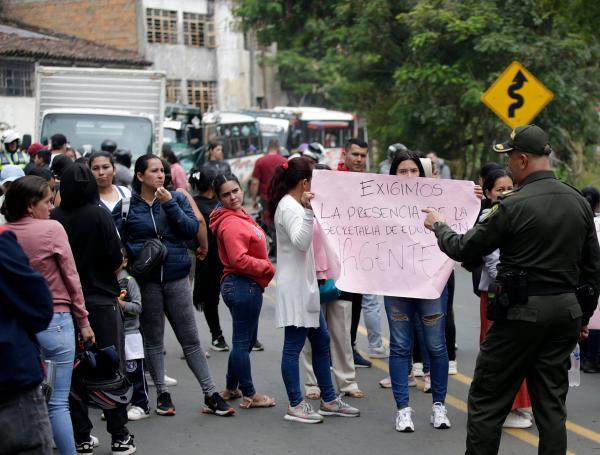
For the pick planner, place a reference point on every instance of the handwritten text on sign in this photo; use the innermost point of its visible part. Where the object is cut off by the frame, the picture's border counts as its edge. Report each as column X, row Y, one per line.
column 373, row 232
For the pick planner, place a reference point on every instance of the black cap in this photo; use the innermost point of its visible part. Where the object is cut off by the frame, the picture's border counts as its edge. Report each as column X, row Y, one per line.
column 527, row 138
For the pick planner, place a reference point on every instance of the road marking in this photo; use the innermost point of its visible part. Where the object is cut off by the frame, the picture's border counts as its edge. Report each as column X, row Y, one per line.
column 461, row 405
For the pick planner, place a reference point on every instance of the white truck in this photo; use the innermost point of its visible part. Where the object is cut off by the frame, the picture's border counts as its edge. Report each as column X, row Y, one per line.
column 90, row 105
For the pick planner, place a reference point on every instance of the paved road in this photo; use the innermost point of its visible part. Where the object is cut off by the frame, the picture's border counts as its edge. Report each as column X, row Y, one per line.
column 263, row 431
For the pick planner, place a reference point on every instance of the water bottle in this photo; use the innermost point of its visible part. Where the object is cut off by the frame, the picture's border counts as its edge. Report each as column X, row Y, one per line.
column 574, row 373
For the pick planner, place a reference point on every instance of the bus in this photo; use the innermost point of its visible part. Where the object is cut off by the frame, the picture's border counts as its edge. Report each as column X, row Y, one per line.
column 294, row 126
column 240, row 137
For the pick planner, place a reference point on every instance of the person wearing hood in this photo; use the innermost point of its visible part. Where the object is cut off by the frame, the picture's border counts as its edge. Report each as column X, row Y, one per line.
column 97, row 252
column 165, row 290
column 247, row 271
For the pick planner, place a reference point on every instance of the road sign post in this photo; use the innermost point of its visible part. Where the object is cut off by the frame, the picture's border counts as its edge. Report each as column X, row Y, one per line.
column 517, row 97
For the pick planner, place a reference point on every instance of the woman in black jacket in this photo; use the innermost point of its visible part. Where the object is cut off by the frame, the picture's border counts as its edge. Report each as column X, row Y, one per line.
column 154, row 212
column 97, row 252
column 208, row 273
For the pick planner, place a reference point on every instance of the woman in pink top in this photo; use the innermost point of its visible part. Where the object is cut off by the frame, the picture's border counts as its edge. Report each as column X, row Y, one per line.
column 178, row 175
column 27, row 209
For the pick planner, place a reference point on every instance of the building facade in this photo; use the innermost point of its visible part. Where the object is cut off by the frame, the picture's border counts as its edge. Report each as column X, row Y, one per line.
column 208, row 62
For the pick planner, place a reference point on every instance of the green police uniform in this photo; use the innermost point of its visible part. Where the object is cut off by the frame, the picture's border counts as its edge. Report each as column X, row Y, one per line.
column 545, row 229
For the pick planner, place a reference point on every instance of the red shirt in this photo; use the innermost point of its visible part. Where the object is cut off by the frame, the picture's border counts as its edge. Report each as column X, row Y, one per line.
column 264, row 169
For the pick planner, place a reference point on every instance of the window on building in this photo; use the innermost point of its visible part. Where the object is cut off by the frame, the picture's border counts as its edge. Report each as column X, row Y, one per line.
column 202, row 94
column 16, row 78
column 174, row 91
column 161, row 26
column 198, row 30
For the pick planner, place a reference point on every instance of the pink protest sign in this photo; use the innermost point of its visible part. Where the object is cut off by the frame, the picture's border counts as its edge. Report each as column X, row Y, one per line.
column 373, row 233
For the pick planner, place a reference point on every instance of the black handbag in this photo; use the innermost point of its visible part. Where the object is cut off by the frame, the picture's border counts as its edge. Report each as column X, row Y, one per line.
column 153, row 252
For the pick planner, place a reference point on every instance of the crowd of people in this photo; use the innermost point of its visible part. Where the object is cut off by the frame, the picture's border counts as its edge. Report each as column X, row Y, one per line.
column 157, row 243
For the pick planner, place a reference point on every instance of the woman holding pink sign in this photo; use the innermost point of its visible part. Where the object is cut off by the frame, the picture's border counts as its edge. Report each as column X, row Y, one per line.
column 400, row 313
column 298, row 307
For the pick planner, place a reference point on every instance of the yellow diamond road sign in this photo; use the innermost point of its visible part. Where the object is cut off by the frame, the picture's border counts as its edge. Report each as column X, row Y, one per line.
column 517, row 96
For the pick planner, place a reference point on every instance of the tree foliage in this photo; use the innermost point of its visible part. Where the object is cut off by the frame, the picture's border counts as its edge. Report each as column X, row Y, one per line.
column 416, row 69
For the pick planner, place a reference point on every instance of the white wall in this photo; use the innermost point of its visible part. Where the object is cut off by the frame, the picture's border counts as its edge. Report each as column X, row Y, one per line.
column 177, row 60
column 228, row 64
column 18, row 112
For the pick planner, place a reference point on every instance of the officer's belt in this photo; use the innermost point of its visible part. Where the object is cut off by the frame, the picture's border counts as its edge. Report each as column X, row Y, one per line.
column 548, row 289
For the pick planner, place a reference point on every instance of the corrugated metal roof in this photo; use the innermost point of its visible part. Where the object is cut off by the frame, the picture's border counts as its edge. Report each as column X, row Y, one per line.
column 19, row 40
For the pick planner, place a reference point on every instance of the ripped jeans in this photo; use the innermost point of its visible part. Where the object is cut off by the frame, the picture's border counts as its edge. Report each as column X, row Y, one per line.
column 400, row 312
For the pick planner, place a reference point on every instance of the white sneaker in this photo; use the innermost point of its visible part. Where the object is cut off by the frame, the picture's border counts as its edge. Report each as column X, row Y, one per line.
column 169, row 381
column 338, row 407
column 525, row 412
column 417, row 370
column 427, row 383
column 452, row 367
column 412, row 381
column 439, row 419
column 516, row 420
column 380, row 352
column 94, row 440
column 385, row 383
column 404, row 422
column 137, row 413
column 303, row 413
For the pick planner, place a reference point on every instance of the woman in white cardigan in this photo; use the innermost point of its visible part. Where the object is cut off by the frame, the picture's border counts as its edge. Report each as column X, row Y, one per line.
column 298, row 307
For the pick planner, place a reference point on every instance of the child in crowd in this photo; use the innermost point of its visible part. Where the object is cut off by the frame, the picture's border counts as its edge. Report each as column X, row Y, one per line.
column 130, row 301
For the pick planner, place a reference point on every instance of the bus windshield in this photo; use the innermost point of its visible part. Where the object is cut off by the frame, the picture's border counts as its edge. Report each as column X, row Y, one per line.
column 331, row 134
column 238, row 139
column 130, row 133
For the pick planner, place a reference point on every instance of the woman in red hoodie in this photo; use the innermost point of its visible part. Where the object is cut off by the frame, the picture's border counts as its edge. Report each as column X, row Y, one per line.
column 247, row 271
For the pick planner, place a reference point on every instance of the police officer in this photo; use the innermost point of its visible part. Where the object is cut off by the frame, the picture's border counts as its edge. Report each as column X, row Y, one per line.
column 548, row 247
column 10, row 153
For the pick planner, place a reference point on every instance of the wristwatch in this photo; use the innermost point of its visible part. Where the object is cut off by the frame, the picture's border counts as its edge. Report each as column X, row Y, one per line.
column 435, row 225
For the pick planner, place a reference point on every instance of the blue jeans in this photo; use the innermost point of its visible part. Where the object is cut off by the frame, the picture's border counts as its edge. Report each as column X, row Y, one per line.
column 400, row 313
column 244, row 298
column 58, row 345
column 371, row 310
column 294, row 340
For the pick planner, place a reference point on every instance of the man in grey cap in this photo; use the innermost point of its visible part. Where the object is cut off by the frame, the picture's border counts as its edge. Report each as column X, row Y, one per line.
column 546, row 290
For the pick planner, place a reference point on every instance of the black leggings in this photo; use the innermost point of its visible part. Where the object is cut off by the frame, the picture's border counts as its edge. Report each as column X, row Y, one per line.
column 106, row 320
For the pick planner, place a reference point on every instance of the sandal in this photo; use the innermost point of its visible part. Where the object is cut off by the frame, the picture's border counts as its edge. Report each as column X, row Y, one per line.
column 231, row 394
column 356, row 393
column 313, row 392
column 257, row 401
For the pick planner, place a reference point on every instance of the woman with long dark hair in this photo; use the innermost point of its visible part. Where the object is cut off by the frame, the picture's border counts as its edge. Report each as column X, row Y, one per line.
column 246, row 272
column 27, row 209
column 155, row 212
column 298, row 307
column 401, row 313
column 177, row 171
column 208, row 272
column 103, row 168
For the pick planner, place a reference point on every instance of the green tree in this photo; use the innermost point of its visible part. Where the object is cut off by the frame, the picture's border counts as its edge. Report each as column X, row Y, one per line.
column 416, row 70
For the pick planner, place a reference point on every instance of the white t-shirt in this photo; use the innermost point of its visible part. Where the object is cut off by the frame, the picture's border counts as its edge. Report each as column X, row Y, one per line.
column 123, row 193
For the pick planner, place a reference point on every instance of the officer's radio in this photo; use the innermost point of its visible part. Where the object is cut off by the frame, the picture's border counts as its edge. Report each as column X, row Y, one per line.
column 507, row 290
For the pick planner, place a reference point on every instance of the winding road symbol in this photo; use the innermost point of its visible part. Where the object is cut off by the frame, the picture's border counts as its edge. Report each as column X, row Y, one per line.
column 516, row 96
column 518, row 82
